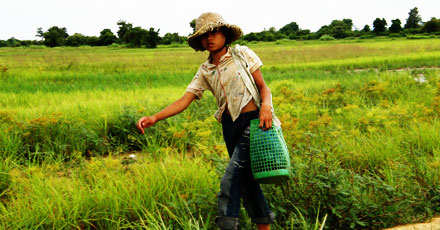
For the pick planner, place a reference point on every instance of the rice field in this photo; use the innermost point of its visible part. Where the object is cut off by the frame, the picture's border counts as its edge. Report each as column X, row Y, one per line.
column 360, row 117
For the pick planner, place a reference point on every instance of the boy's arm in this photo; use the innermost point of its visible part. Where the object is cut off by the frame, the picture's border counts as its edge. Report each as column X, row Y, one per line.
column 266, row 107
column 171, row 110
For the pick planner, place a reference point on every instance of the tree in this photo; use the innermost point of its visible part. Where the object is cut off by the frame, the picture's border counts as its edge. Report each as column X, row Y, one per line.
column 92, row 41
column 40, row 33
column 337, row 29
column 366, row 29
column 414, row 20
column 169, row 38
column 251, row 37
column 269, row 35
column 348, row 24
column 153, row 38
column 303, row 33
column 323, row 31
column 137, row 37
column 55, row 36
column 379, row 26
column 431, row 26
column 290, row 28
column 3, row 43
column 396, row 26
column 107, row 37
column 339, row 32
column 13, row 42
column 193, row 25
column 76, row 40
column 124, row 27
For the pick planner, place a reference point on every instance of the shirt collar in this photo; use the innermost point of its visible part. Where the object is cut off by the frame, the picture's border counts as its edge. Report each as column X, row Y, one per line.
column 226, row 56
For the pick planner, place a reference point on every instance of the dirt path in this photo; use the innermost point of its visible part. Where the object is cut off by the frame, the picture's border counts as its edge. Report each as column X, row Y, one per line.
column 434, row 224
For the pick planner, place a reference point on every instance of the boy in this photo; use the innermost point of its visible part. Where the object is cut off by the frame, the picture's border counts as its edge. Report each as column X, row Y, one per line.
column 236, row 107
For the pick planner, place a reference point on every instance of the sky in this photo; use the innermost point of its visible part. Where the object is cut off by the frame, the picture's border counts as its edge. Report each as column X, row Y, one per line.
column 21, row 18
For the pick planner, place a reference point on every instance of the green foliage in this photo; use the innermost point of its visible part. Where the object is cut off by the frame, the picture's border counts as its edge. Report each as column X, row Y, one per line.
column 106, row 194
column 76, row 40
column 396, row 35
column 431, row 26
column 418, row 37
column 290, row 28
column 55, row 36
column 350, row 200
column 414, row 19
column 169, row 38
column 326, row 37
column 92, row 40
column 251, row 37
column 396, row 26
column 12, row 42
column 360, row 118
column 337, row 29
column 192, row 24
column 124, row 27
column 138, row 37
column 40, row 33
column 46, row 138
column 379, row 26
column 366, row 29
column 107, row 37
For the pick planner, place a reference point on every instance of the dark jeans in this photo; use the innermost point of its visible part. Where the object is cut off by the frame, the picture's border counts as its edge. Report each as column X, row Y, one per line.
column 238, row 181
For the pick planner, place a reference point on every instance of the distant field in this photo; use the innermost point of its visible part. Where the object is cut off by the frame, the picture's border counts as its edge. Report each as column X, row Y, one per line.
column 361, row 119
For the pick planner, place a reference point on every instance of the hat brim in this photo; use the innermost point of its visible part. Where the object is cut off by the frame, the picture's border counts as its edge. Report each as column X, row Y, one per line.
column 234, row 33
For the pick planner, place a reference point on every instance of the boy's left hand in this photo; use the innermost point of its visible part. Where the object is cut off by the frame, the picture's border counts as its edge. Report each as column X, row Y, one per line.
column 265, row 117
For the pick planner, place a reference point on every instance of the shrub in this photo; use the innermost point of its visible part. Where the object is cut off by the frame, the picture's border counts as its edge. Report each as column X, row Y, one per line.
column 412, row 37
column 368, row 36
column 395, row 35
column 351, row 200
column 327, row 38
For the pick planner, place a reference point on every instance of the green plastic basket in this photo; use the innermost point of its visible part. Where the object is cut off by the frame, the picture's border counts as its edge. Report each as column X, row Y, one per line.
column 270, row 161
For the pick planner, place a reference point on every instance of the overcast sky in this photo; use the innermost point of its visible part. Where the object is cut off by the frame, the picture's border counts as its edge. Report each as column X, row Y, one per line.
column 21, row 18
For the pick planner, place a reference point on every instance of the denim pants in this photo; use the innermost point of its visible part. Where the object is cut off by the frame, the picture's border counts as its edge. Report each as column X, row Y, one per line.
column 238, row 181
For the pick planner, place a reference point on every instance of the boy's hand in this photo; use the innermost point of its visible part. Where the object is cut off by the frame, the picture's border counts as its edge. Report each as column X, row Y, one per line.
column 145, row 122
column 265, row 117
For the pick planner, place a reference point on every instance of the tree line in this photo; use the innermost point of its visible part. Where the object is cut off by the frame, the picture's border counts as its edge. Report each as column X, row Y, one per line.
column 341, row 29
column 131, row 36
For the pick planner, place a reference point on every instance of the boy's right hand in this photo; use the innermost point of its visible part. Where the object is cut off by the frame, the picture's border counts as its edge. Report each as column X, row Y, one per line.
column 145, row 122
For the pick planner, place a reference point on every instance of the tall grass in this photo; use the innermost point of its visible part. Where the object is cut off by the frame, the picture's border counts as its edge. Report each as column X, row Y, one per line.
column 360, row 120
column 106, row 194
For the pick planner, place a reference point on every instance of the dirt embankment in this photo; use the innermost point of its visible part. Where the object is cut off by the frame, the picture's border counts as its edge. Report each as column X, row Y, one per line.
column 434, row 224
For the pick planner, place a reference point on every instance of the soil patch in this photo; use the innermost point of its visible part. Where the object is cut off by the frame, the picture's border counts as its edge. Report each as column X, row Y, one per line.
column 434, row 224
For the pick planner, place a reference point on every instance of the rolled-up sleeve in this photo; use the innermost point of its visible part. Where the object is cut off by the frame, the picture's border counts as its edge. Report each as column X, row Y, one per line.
column 252, row 58
column 198, row 85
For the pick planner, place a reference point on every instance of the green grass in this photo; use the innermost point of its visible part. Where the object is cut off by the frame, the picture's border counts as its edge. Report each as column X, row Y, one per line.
column 106, row 194
column 361, row 129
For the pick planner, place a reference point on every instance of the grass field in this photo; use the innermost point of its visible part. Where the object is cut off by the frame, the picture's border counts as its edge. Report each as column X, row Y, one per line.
column 360, row 117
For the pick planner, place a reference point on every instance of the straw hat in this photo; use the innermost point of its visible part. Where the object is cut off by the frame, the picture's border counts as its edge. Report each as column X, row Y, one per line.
column 208, row 22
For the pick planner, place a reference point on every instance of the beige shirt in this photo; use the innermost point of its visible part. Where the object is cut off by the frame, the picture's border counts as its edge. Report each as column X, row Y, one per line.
column 225, row 83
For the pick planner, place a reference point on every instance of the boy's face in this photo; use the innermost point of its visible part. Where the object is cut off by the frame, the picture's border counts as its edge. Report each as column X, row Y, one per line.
column 213, row 41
